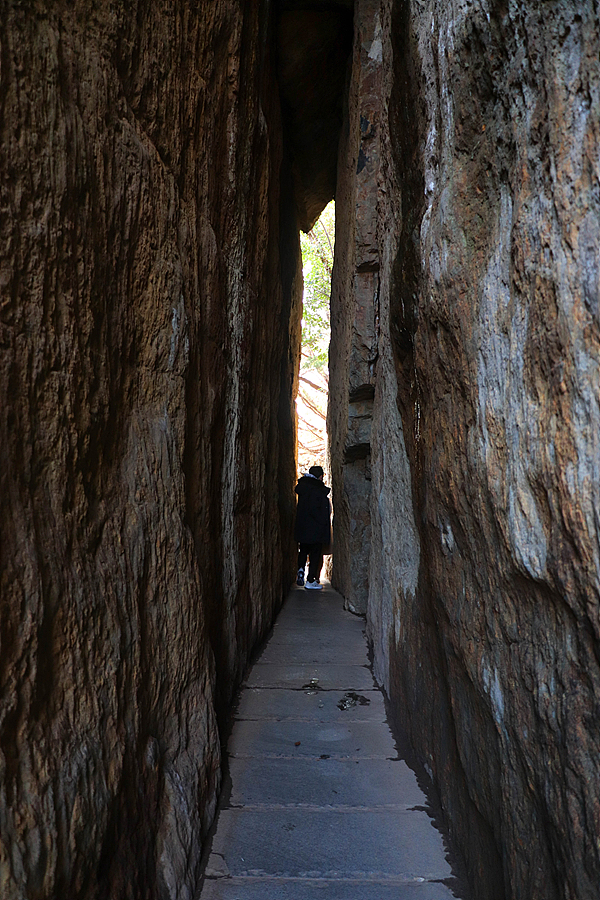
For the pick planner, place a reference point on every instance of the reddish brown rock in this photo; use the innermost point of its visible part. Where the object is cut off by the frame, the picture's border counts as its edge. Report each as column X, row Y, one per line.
column 146, row 432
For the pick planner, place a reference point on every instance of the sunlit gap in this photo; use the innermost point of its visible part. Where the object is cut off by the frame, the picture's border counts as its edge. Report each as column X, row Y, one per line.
column 311, row 404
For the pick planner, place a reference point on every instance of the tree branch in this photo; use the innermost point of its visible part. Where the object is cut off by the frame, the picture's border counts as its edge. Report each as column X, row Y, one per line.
column 312, row 384
column 316, row 431
column 313, row 407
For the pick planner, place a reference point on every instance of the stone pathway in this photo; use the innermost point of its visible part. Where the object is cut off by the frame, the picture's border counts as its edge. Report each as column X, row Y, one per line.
column 319, row 804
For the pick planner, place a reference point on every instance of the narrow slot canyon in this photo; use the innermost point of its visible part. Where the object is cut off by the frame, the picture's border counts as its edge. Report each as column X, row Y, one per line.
column 157, row 164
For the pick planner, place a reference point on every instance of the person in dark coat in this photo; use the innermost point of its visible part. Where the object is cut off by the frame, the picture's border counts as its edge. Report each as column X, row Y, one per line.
column 313, row 529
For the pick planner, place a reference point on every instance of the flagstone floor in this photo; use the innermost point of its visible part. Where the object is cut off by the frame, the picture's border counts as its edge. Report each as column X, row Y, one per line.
column 319, row 805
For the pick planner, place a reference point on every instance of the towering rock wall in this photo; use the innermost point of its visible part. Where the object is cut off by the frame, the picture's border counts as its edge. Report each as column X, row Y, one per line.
column 146, row 427
column 483, row 602
column 354, row 311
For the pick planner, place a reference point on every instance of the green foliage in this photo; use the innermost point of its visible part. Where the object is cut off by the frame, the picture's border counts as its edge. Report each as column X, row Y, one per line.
column 317, row 263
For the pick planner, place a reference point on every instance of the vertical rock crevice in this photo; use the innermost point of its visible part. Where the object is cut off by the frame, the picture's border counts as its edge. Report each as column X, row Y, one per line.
column 154, row 171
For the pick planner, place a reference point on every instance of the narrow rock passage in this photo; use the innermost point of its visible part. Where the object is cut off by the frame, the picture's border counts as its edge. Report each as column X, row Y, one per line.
column 320, row 806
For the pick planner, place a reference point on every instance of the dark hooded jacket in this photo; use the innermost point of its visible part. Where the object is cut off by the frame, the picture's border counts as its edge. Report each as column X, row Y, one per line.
column 313, row 511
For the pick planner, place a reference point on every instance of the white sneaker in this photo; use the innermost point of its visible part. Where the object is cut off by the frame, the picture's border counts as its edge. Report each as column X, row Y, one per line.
column 300, row 577
column 313, row 586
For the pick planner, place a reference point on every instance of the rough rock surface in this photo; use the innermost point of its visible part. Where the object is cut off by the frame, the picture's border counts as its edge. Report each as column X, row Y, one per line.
column 354, row 313
column 483, row 604
column 146, row 433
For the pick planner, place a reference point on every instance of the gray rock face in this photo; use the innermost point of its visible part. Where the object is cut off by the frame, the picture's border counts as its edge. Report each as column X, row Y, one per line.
column 483, row 604
column 354, row 315
column 146, row 428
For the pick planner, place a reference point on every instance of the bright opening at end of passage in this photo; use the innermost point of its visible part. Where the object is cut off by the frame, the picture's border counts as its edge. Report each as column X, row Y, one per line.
column 311, row 403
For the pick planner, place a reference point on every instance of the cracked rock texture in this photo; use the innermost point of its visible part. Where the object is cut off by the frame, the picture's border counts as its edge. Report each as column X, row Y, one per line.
column 146, row 437
column 484, row 477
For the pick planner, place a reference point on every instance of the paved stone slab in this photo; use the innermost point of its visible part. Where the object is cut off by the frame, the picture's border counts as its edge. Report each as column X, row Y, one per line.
column 326, row 628
column 306, row 606
column 299, row 739
column 319, row 807
column 268, row 703
column 302, row 606
column 330, row 677
column 325, row 782
column 320, row 606
column 303, row 649
column 305, row 889
column 327, row 843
